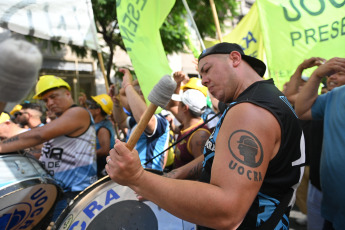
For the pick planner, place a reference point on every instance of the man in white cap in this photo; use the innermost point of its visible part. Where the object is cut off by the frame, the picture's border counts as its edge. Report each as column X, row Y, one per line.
column 253, row 160
column 192, row 104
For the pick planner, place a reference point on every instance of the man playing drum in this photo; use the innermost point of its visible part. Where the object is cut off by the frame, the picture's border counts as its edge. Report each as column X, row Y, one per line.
column 69, row 152
column 252, row 162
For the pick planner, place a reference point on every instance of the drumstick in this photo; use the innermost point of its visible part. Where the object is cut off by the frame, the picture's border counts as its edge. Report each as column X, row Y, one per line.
column 159, row 96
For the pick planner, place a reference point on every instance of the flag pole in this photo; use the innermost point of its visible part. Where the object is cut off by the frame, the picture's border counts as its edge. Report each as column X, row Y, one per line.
column 99, row 51
column 216, row 21
column 100, row 58
column 193, row 23
column 195, row 27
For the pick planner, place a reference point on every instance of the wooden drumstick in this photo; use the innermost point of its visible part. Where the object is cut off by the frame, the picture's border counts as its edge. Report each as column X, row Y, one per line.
column 159, row 96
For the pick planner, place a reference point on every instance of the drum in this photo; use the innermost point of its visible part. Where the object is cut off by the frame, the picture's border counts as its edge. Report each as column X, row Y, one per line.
column 27, row 193
column 107, row 205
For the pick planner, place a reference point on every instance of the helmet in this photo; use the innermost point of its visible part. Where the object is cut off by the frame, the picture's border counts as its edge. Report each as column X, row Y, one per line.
column 104, row 100
column 195, row 83
column 4, row 117
column 48, row 82
column 16, row 109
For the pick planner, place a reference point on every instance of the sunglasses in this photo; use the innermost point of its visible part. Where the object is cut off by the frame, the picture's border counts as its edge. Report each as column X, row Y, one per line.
column 19, row 114
column 93, row 107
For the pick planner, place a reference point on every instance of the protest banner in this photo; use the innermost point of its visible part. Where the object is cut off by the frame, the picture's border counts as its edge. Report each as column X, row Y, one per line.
column 298, row 30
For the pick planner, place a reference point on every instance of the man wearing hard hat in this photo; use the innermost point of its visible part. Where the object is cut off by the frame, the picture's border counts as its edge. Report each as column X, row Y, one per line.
column 69, row 141
column 100, row 107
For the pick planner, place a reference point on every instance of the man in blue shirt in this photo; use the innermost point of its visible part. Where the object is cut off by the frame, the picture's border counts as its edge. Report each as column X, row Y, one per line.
column 329, row 107
column 155, row 138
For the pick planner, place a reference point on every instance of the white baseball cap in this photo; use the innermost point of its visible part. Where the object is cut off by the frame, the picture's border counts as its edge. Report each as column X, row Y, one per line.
column 195, row 99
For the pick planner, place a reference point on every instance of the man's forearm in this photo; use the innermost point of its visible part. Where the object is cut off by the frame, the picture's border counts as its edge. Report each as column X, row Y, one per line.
column 294, row 83
column 21, row 141
column 119, row 115
column 307, row 97
column 190, row 171
column 135, row 102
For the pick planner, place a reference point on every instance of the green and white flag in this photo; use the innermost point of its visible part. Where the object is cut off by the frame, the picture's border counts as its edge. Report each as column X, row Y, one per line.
column 139, row 23
column 298, row 30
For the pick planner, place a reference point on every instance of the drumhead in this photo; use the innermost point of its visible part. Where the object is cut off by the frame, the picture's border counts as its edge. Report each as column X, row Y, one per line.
column 27, row 193
column 107, row 205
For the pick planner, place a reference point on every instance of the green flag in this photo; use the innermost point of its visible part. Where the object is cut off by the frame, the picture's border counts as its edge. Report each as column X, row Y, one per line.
column 247, row 34
column 298, row 30
column 139, row 23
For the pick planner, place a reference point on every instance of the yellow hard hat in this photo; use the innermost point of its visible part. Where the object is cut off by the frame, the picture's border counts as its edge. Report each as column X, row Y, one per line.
column 4, row 117
column 16, row 109
column 48, row 82
column 104, row 100
column 195, row 83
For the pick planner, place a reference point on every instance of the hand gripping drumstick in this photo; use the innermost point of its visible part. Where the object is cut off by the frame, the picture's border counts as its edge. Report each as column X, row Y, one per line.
column 159, row 96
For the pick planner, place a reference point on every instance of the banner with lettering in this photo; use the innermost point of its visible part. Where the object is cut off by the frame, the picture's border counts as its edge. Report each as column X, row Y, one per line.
column 296, row 30
column 247, row 34
column 139, row 23
column 65, row 21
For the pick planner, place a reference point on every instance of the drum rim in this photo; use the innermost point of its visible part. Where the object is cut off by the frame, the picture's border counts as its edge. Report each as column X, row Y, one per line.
column 85, row 192
column 78, row 197
column 20, row 185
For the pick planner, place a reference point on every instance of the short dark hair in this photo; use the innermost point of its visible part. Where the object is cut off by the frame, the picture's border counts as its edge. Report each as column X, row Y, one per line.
column 95, row 105
column 34, row 106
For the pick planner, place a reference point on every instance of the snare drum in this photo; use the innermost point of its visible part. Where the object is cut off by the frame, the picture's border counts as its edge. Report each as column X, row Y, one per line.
column 107, row 205
column 27, row 193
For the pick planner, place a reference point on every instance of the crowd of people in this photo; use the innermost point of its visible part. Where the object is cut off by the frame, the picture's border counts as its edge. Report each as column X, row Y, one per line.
column 262, row 149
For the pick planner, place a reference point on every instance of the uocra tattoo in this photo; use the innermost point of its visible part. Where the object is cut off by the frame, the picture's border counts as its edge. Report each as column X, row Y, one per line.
column 246, row 148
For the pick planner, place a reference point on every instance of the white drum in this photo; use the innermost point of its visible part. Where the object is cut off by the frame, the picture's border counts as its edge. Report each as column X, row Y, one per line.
column 27, row 193
column 106, row 205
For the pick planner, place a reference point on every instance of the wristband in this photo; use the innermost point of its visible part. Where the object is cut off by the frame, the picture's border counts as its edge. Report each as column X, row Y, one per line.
column 124, row 88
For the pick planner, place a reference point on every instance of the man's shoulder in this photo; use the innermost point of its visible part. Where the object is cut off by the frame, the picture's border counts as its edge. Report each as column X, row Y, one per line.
column 76, row 111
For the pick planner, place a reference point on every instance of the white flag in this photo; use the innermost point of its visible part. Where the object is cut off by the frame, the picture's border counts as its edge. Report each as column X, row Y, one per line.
column 66, row 21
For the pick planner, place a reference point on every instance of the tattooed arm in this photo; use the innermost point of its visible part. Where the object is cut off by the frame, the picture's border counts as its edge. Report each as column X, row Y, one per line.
column 72, row 122
column 224, row 202
column 190, row 171
column 197, row 142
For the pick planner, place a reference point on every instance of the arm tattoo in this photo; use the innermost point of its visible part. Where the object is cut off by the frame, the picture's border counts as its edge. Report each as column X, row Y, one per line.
column 170, row 174
column 12, row 139
column 201, row 143
column 195, row 172
column 247, row 150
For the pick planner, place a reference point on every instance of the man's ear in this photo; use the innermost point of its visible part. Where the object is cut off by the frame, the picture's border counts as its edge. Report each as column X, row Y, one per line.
column 68, row 93
column 185, row 107
column 236, row 58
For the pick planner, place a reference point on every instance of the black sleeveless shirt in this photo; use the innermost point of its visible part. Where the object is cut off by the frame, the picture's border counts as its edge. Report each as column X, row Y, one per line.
column 284, row 170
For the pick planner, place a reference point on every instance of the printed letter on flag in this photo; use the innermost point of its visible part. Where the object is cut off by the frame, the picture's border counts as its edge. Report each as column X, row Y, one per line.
column 298, row 30
column 247, row 34
column 139, row 23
